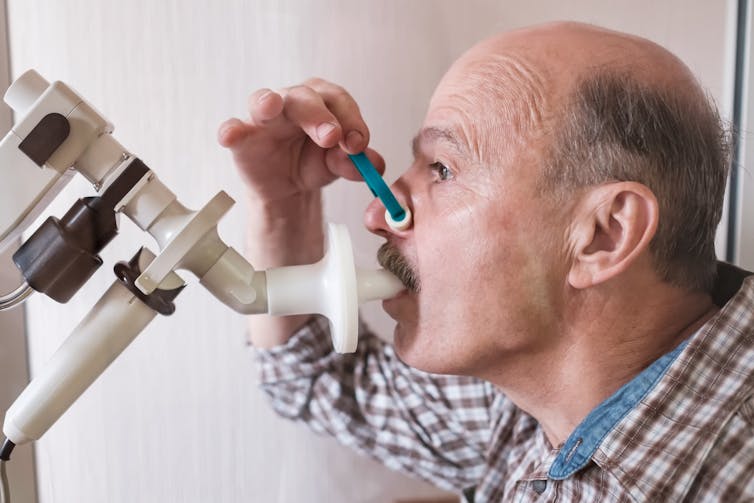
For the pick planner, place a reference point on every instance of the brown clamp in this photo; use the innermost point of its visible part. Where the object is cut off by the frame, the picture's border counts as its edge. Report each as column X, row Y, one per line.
column 62, row 254
column 159, row 300
column 46, row 137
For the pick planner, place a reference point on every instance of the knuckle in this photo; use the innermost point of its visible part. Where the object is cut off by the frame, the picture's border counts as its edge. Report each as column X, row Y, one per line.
column 316, row 82
column 332, row 91
column 255, row 95
column 300, row 91
column 344, row 104
column 341, row 92
column 336, row 91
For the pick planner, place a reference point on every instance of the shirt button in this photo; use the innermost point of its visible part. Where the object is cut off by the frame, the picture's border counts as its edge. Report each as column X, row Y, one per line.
column 539, row 486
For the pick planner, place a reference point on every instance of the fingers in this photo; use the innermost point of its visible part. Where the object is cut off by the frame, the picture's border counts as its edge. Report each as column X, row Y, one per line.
column 319, row 110
column 339, row 164
column 230, row 132
column 344, row 107
column 264, row 105
column 305, row 108
column 324, row 111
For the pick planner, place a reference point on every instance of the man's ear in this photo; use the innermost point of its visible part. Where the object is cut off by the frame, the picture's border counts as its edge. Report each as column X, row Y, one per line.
column 613, row 225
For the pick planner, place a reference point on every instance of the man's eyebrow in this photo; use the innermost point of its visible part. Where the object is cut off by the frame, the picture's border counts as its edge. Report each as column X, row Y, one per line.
column 430, row 134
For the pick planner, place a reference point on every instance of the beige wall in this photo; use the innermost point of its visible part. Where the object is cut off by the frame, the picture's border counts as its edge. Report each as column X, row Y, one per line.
column 14, row 367
column 14, row 374
column 178, row 416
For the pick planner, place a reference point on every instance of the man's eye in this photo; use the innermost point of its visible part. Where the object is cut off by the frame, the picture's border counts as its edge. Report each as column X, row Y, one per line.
column 442, row 172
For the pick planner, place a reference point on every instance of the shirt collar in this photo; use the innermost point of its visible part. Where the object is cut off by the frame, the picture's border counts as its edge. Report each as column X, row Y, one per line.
column 734, row 293
column 581, row 444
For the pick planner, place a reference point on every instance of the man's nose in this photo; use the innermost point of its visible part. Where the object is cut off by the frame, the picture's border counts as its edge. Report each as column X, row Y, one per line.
column 375, row 217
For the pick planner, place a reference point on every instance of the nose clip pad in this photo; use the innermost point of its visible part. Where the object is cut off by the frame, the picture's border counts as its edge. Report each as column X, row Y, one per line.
column 399, row 225
column 396, row 216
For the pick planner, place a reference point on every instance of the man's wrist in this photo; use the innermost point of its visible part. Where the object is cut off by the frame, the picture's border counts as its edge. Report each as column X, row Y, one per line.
column 285, row 232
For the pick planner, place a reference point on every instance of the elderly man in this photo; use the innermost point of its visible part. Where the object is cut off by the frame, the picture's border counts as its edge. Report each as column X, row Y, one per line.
column 565, row 333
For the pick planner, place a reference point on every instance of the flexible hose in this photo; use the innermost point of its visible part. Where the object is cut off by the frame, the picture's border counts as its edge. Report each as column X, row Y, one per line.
column 15, row 297
column 5, row 452
column 4, row 489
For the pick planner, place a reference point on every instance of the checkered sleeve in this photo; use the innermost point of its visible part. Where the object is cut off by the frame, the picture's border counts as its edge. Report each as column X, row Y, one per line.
column 436, row 427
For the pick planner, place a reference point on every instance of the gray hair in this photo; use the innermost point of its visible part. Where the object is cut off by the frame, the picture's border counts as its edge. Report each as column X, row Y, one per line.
column 616, row 128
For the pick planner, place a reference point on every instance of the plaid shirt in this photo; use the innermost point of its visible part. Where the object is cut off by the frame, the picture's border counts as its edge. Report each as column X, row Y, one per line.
column 682, row 430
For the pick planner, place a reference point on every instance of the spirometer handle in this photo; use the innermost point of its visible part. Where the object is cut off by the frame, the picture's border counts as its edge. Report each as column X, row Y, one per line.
column 101, row 336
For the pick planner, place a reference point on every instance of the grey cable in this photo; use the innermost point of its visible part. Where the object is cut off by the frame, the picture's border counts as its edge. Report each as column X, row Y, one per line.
column 4, row 488
column 5, row 452
column 15, row 297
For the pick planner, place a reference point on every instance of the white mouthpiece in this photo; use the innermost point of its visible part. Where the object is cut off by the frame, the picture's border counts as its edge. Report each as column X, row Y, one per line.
column 331, row 287
column 377, row 285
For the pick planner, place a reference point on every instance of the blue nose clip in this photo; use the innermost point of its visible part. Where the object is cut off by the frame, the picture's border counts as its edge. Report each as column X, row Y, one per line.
column 396, row 216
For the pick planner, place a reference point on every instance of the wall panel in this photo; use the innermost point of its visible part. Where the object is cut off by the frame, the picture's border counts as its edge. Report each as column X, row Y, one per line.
column 744, row 252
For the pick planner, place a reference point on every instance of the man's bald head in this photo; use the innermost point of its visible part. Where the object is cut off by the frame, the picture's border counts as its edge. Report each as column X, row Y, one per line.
column 521, row 79
column 603, row 106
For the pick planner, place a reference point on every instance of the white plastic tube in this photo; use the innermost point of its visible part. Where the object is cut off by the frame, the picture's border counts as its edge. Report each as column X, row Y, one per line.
column 101, row 336
column 24, row 91
column 376, row 284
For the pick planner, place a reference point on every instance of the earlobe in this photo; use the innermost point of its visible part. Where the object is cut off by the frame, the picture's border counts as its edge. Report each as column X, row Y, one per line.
column 613, row 225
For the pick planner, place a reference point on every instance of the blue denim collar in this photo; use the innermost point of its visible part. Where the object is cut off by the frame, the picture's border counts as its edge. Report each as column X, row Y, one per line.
column 578, row 449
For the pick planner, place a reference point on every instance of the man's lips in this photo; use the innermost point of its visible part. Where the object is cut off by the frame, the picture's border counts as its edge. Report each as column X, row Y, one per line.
column 403, row 293
column 392, row 305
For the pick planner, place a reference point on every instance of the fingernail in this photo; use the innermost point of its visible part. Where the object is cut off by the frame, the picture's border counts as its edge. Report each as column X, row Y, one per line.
column 354, row 141
column 325, row 129
column 264, row 96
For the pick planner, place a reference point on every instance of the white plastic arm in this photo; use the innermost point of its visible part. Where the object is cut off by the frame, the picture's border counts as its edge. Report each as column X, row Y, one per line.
column 111, row 325
column 27, row 188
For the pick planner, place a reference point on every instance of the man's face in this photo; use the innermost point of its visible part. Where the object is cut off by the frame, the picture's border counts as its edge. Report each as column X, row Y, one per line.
column 485, row 247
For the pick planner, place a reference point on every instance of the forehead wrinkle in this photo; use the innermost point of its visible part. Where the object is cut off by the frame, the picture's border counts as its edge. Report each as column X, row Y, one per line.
column 511, row 85
column 501, row 99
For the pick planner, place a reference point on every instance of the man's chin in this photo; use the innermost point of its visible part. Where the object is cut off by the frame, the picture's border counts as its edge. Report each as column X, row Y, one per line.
column 421, row 354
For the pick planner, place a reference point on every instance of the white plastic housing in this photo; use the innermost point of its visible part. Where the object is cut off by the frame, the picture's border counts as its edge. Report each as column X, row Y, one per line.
column 27, row 189
column 235, row 283
column 148, row 203
column 24, row 91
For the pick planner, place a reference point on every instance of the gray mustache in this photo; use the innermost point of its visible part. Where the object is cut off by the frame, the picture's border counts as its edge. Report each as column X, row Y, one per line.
column 391, row 259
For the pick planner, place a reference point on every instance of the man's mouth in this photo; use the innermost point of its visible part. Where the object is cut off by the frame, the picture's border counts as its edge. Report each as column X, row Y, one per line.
column 391, row 259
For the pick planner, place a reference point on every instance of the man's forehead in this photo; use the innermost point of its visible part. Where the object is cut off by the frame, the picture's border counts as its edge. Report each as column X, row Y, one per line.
column 500, row 92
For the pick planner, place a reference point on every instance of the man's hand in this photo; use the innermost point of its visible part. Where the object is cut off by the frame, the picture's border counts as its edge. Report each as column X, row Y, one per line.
column 294, row 143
